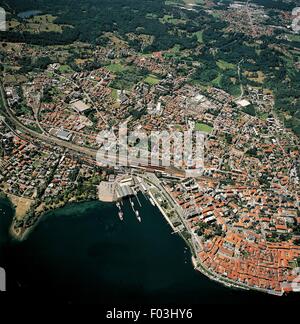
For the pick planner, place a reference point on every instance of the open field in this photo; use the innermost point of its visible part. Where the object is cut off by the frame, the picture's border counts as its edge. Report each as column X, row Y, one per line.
column 11, row 25
column 199, row 35
column 65, row 69
column 257, row 77
column 225, row 65
column 217, row 80
column 114, row 94
column 44, row 23
column 203, row 128
column 22, row 205
column 294, row 37
column 116, row 68
column 152, row 80
column 171, row 20
column 193, row 2
column 36, row 24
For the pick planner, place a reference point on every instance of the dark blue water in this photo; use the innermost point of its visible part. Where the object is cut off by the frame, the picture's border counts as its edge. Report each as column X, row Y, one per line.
column 84, row 254
column 29, row 14
column 5, row 219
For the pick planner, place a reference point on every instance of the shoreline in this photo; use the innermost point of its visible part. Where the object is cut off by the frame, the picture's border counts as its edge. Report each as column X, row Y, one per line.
column 21, row 205
column 198, row 266
column 161, row 210
column 24, row 235
column 228, row 283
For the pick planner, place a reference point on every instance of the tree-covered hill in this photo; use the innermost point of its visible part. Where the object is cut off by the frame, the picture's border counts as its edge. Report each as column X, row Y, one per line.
column 91, row 18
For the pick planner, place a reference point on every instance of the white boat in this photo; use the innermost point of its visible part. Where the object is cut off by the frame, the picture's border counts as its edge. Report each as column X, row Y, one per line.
column 152, row 202
column 121, row 215
column 138, row 216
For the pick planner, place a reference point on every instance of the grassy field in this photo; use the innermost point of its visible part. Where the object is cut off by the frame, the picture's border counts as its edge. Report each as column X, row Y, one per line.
column 50, row 74
column 203, row 128
column 175, row 49
column 82, row 61
column 225, row 65
column 174, row 2
column 114, row 94
column 151, row 15
column 116, row 68
column 15, row 79
column 236, row 91
column 171, row 20
column 199, row 35
column 44, row 23
column 36, row 24
column 263, row 116
column 152, row 79
column 12, row 24
column 128, row 76
column 294, row 38
column 257, row 77
column 65, row 69
column 215, row 14
column 184, row 2
column 217, row 80
column 193, row 2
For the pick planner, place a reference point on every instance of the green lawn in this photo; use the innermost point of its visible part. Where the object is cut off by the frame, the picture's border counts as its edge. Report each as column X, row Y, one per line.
column 152, row 79
column 151, row 15
column 193, row 1
column 65, row 69
column 199, row 35
column 50, row 74
column 263, row 116
column 235, row 90
column 43, row 23
column 294, row 38
column 171, row 20
column 114, row 94
column 174, row 2
column 116, row 68
column 217, row 80
column 225, row 65
column 215, row 14
column 127, row 78
column 203, row 128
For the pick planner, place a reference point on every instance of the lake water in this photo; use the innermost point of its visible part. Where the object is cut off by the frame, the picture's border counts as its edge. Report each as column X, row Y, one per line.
column 83, row 253
column 29, row 14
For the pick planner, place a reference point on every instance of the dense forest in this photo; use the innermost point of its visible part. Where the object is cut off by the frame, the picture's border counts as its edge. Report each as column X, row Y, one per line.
column 91, row 18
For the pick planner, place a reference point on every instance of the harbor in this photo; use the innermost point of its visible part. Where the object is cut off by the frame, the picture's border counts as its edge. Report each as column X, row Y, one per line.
column 128, row 187
column 122, row 188
column 110, row 260
column 133, row 206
